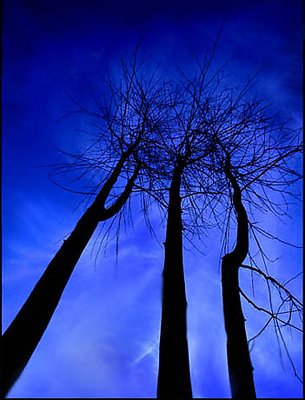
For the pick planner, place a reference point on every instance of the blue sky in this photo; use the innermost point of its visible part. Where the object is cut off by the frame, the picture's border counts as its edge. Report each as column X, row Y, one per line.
column 103, row 338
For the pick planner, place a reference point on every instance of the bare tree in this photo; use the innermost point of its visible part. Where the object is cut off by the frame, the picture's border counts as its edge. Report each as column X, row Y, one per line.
column 239, row 363
column 174, row 374
column 249, row 152
column 178, row 189
column 181, row 151
column 124, row 121
column 240, row 368
column 195, row 147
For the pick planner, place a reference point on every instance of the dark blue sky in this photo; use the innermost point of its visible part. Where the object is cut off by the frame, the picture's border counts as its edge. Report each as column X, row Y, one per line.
column 109, row 316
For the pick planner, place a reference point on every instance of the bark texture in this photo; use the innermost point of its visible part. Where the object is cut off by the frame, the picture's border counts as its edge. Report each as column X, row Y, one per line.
column 239, row 362
column 23, row 335
column 174, row 380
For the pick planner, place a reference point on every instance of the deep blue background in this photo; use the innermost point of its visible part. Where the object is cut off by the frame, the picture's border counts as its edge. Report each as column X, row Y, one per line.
column 103, row 339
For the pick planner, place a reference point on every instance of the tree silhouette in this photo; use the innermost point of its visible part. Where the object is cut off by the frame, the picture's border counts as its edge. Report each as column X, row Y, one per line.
column 202, row 151
column 174, row 373
column 240, row 368
column 249, row 152
column 239, row 363
column 260, row 149
column 211, row 124
column 125, row 118
column 181, row 150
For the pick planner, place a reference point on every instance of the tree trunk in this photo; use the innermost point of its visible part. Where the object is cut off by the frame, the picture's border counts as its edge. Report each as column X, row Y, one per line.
column 239, row 362
column 23, row 335
column 174, row 372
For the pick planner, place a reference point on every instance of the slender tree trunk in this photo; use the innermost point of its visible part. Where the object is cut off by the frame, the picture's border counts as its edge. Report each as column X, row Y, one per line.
column 239, row 362
column 174, row 372
column 23, row 335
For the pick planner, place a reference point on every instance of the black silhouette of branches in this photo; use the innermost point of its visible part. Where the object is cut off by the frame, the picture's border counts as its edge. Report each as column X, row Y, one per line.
column 221, row 122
